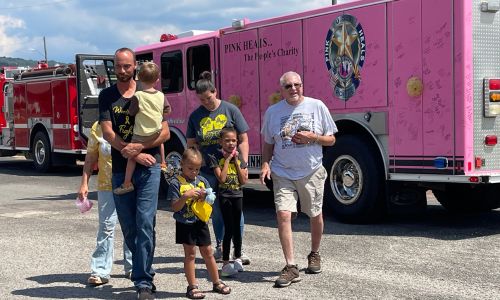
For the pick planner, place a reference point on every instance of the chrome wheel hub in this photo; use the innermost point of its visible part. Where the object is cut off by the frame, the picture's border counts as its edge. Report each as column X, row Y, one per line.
column 346, row 179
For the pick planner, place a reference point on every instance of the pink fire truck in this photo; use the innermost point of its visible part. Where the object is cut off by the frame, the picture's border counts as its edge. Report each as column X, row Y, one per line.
column 413, row 85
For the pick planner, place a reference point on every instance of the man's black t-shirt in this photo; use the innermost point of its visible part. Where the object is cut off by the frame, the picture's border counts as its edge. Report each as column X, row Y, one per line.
column 114, row 107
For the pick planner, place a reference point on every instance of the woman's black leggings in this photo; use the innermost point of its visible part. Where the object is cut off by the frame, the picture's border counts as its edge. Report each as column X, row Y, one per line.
column 231, row 214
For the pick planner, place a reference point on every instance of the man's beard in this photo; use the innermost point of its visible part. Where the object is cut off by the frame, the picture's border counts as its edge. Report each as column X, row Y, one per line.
column 124, row 78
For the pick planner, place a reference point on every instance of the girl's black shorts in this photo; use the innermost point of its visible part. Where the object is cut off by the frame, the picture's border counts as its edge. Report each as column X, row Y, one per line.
column 192, row 234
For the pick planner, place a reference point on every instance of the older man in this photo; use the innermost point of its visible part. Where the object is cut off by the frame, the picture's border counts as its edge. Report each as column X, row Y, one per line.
column 294, row 131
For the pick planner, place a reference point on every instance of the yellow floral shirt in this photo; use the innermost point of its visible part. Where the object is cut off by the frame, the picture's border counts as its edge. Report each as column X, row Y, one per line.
column 97, row 144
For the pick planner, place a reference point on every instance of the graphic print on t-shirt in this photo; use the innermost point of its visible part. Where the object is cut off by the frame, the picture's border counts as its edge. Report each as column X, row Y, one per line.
column 290, row 125
column 123, row 122
column 232, row 181
column 210, row 129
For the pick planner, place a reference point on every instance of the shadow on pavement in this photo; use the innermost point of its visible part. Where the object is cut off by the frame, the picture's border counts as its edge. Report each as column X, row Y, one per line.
column 24, row 168
column 175, row 259
column 70, row 196
column 202, row 273
column 102, row 292
column 64, row 292
column 84, row 292
column 435, row 222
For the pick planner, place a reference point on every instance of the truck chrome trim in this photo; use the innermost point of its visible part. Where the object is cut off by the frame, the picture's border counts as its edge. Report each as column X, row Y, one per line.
column 491, row 6
column 61, row 126
column 443, row 178
column 78, row 151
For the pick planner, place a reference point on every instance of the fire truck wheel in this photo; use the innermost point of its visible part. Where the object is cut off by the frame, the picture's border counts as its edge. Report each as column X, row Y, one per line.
column 41, row 154
column 354, row 189
column 466, row 198
column 173, row 156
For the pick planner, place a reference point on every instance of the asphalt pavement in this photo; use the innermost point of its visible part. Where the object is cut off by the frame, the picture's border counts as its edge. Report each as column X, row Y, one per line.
column 45, row 248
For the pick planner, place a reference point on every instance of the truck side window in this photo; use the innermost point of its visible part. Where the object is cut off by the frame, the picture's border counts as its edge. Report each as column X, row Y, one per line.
column 198, row 61
column 171, row 72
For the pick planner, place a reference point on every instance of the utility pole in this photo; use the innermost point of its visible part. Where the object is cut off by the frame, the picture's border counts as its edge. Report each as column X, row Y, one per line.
column 45, row 49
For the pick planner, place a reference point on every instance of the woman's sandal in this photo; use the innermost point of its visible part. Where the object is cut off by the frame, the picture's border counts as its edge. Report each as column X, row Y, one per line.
column 221, row 288
column 193, row 292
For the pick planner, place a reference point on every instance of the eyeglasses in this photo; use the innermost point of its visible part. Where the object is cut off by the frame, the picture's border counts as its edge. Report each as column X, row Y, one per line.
column 289, row 86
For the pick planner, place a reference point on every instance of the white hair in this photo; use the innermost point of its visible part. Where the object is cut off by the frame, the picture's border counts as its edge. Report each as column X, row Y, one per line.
column 289, row 73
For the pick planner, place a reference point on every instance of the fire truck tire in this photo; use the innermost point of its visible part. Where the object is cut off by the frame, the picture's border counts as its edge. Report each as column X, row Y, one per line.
column 354, row 189
column 468, row 198
column 173, row 155
column 41, row 153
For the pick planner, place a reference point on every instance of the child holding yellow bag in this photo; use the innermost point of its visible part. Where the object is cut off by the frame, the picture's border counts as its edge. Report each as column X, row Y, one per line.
column 231, row 171
column 187, row 193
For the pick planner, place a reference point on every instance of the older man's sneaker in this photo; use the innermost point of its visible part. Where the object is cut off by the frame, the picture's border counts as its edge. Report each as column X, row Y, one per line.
column 145, row 293
column 313, row 263
column 289, row 275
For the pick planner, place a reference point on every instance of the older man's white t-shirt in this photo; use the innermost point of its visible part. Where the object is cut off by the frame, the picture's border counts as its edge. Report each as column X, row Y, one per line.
column 282, row 121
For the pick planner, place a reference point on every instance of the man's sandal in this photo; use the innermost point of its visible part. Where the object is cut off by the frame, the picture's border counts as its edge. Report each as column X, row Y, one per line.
column 221, row 288
column 193, row 292
column 96, row 280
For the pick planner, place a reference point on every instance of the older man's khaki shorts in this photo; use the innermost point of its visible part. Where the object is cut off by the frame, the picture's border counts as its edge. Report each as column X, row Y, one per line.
column 308, row 190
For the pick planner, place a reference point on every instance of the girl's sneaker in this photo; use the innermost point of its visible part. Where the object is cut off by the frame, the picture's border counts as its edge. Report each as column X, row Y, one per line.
column 238, row 265
column 244, row 258
column 228, row 270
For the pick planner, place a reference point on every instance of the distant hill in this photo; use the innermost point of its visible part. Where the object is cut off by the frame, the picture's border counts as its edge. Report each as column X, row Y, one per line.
column 19, row 62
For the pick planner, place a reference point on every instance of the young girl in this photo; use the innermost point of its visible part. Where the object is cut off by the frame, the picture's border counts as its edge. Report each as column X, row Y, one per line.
column 231, row 173
column 189, row 230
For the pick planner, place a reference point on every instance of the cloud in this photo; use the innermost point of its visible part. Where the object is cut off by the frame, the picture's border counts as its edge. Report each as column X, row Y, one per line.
column 72, row 46
column 10, row 43
column 96, row 26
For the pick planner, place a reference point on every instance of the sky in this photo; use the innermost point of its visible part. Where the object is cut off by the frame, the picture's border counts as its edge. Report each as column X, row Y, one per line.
column 102, row 26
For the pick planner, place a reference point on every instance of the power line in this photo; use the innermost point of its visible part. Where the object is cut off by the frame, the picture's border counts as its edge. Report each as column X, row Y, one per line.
column 36, row 5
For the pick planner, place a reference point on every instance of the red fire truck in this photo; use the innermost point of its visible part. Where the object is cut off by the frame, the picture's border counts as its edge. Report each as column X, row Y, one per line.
column 48, row 112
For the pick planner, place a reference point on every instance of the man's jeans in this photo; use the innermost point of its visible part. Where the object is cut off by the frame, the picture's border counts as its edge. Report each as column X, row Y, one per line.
column 102, row 258
column 136, row 212
column 217, row 221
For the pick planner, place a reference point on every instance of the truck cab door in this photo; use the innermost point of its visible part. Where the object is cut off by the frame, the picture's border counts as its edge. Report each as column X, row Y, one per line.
column 6, row 114
column 94, row 73
column 172, row 83
column 3, row 103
